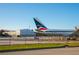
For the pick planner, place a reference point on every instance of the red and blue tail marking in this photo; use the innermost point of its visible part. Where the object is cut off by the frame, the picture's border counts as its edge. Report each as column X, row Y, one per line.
column 39, row 25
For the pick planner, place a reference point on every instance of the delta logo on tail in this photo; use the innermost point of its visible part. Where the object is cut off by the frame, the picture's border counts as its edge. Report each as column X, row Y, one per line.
column 39, row 25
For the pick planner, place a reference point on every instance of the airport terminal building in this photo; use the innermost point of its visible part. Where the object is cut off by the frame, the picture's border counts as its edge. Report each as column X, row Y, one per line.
column 26, row 32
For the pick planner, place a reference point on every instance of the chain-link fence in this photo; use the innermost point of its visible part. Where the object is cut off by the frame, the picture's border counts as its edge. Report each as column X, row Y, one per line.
column 30, row 40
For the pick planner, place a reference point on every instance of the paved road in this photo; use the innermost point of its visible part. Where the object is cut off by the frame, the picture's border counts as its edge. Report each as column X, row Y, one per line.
column 54, row 51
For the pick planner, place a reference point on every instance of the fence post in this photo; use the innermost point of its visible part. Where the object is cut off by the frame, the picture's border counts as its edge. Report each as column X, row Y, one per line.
column 9, row 41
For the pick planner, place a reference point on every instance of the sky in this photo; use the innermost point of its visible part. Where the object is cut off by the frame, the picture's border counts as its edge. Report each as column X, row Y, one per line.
column 52, row 15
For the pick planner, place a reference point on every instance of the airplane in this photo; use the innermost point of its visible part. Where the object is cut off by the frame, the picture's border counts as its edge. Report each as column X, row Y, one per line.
column 41, row 28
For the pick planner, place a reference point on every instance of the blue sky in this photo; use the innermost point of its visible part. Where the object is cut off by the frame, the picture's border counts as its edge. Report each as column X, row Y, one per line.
column 54, row 16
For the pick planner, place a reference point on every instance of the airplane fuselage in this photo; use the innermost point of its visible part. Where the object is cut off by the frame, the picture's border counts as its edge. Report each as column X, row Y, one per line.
column 57, row 32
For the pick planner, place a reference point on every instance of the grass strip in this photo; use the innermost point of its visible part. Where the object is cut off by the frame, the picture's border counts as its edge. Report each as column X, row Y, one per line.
column 73, row 44
column 30, row 46
column 37, row 46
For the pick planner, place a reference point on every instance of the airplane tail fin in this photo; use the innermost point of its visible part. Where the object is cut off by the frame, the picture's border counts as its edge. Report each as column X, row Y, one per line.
column 39, row 25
